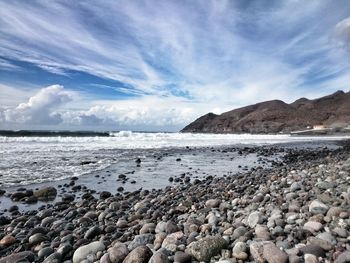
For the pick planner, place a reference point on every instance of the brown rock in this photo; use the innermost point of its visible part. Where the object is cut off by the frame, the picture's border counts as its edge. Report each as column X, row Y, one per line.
column 118, row 253
column 17, row 257
column 7, row 240
column 256, row 250
column 212, row 203
column 273, row 254
column 141, row 254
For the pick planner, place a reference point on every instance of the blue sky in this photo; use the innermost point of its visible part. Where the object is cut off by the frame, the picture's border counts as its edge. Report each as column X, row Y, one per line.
column 157, row 65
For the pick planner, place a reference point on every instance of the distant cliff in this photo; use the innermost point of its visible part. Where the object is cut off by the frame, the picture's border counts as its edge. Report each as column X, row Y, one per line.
column 277, row 116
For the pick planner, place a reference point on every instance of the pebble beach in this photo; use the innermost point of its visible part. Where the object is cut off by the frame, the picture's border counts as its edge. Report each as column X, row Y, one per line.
column 297, row 209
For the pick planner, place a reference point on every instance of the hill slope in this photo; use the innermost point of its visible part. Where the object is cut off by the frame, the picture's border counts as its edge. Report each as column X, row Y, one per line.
column 277, row 116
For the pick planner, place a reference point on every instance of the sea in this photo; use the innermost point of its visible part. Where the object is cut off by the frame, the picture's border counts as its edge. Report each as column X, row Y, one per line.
column 32, row 158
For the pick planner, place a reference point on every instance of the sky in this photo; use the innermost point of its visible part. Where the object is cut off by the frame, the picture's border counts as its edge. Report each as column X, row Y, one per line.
column 157, row 65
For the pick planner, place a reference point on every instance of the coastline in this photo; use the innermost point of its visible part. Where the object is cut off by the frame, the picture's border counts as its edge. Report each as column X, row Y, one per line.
column 299, row 204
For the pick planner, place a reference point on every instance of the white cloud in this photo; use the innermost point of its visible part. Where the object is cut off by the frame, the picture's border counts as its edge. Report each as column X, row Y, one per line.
column 342, row 33
column 40, row 108
column 148, row 111
column 49, row 106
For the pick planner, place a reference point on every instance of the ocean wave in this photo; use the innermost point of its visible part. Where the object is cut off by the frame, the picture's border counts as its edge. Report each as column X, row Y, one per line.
column 25, row 160
column 132, row 140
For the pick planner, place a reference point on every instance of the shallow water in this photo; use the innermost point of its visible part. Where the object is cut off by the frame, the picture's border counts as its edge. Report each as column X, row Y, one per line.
column 28, row 160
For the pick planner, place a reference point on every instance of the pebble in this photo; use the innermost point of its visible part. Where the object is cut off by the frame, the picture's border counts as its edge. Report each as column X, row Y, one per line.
column 343, row 257
column 182, row 257
column 273, row 254
column 25, row 256
column 206, row 248
column 141, row 240
column 37, row 238
column 141, row 254
column 118, row 252
column 317, row 207
column 212, row 203
column 314, row 250
column 82, row 252
column 92, row 232
column 309, row 258
column 7, row 240
column 313, row 226
column 254, row 218
column 159, row 257
column 45, row 252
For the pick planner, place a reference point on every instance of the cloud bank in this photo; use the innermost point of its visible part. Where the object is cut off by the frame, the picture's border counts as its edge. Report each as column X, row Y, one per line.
column 47, row 108
column 40, row 109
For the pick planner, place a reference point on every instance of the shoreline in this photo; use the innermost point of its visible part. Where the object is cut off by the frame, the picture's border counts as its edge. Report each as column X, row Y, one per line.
column 299, row 204
column 235, row 158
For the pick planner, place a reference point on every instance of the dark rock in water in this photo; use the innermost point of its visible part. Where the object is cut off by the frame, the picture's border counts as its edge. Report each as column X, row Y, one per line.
column 140, row 254
column 46, row 193
column 178, row 159
column 171, row 179
column 4, row 220
column 19, row 257
column 18, row 196
column 13, row 208
column 67, row 198
column 206, row 248
column 105, row 194
column 87, row 162
column 138, row 161
column 76, row 187
column 2, row 192
column 87, row 196
column 122, row 176
column 196, row 181
column 120, row 189
column 31, row 199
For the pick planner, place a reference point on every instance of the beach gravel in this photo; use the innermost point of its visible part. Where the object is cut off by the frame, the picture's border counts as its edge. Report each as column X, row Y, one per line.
column 297, row 210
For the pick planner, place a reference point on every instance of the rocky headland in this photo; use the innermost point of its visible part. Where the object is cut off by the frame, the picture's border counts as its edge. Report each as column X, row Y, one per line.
column 298, row 210
column 278, row 117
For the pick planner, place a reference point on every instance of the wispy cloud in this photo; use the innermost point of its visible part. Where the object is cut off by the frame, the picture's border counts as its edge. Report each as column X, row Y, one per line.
column 7, row 65
column 216, row 54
